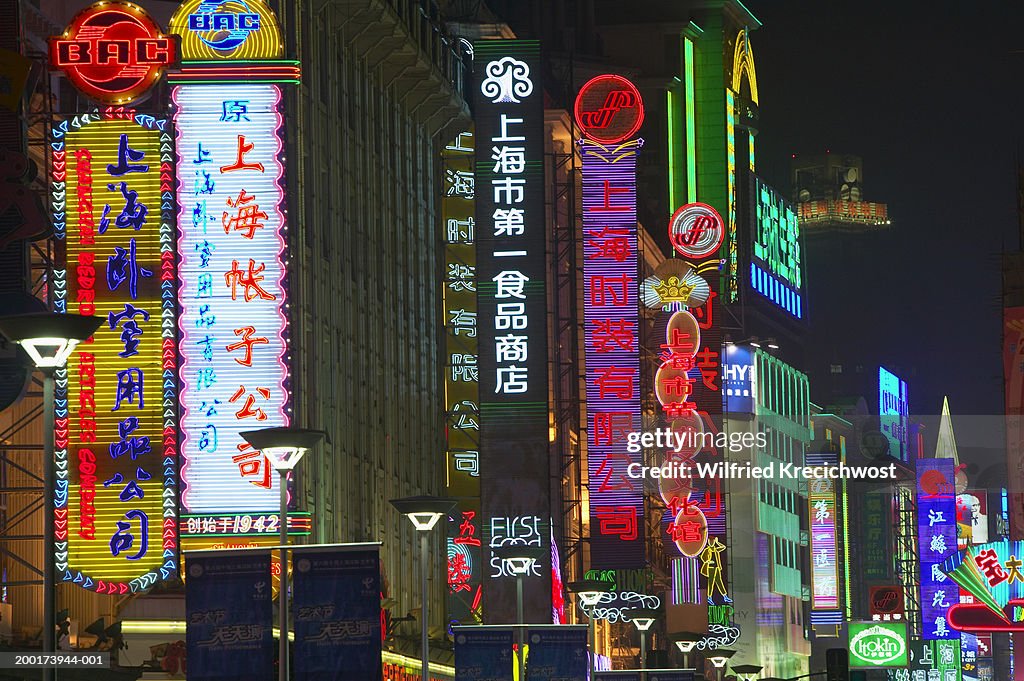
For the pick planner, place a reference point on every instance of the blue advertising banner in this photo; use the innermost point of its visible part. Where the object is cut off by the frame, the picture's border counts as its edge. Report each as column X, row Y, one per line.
column 557, row 653
column 483, row 654
column 336, row 605
column 629, row 675
column 936, row 522
column 228, row 614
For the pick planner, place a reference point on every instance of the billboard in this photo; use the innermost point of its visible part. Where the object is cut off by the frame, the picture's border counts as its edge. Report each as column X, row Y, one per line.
column 611, row 335
column 739, row 379
column 461, row 379
column 875, row 645
column 894, row 413
column 776, row 261
column 115, row 509
column 512, row 317
column 824, row 540
column 936, row 523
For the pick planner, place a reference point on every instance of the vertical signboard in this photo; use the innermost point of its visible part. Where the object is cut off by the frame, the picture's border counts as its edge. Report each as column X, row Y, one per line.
column 228, row 614
column 462, row 380
column 336, row 602
column 1013, row 378
column 606, row 109
column 776, row 267
column 824, row 543
column 936, row 522
column 115, row 508
column 512, row 314
column 875, row 529
column 232, row 230
column 894, row 413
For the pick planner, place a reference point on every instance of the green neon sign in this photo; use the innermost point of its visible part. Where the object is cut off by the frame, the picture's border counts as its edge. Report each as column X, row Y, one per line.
column 878, row 644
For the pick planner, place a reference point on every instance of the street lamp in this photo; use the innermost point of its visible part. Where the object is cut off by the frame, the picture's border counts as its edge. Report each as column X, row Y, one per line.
column 747, row 672
column 49, row 338
column 720, row 658
column 284, row 447
column 520, row 560
column 589, row 592
column 686, row 641
column 424, row 512
column 643, row 619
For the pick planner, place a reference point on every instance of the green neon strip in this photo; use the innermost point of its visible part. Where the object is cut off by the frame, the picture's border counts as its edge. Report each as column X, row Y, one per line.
column 691, row 124
column 673, row 201
column 750, row 145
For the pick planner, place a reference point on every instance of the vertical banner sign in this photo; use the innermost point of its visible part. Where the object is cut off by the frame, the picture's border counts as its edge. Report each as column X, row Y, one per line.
column 609, row 111
column 336, row 601
column 461, row 381
column 611, row 311
column 229, row 615
column 115, row 504
column 232, row 229
column 1013, row 377
column 512, row 309
column 558, row 653
column 824, row 564
column 483, row 654
column 875, row 528
column 936, row 522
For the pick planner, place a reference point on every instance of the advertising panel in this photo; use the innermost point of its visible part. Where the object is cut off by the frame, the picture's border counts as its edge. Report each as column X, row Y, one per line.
column 115, row 508
column 483, row 654
column 894, row 413
column 558, row 653
column 936, row 522
column 512, row 313
column 876, row 645
column 776, row 264
column 824, row 540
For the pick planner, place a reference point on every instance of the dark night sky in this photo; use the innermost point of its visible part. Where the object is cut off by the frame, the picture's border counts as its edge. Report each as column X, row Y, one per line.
column 929, row 94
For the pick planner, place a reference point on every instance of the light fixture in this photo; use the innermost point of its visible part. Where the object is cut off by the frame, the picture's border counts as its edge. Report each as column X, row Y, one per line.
column 721, row 657
column 519, row 558
column 686, row 641
column 748, row 672
column 772, row 344
column 754, row 342
column 589, row 590
column 642, row 618
column 283, row 446
column 49, row 338
column 423, row 511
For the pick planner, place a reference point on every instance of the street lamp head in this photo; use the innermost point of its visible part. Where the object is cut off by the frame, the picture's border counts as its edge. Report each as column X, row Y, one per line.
column 686, row 641
column 748, row 672
column 721, row 657
column 519, row 558
column 283, row 445
column 424, row 511
column 589, row 590
column 642, row 618
column 49, row 338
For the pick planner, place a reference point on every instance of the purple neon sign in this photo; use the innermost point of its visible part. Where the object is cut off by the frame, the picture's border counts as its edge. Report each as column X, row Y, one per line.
column 936, row 522
column 612, row 350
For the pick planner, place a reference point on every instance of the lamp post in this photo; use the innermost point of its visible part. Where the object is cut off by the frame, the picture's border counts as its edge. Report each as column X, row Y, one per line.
column 284, row 447
column 424, row 512
column 686, row 641
column 720, row 658
column 589, row 592
column 49, row 338
column 747, row 672
column 520, row 560
column 643, row 619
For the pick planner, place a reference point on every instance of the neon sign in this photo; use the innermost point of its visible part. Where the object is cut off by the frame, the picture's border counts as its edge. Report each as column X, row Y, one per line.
column 611, row 309
column 893, row 410
column 218, row 30
column 112, row 52
column 878, row 644
column 609, row 109
column 115, row 517
column 936, row 522
column 232, row 295
column 824, row 553
column 776, row 267
column 696, row 231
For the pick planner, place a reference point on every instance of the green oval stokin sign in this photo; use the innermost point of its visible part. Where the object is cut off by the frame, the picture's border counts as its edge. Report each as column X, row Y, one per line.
column 878, row 645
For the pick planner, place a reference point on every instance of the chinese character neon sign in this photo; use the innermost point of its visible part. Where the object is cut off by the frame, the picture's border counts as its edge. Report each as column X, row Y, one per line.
column 115, row 509
column 112, row 52
column 936, row 522
column 609, row 109
column 824, row 541
column 231, row 225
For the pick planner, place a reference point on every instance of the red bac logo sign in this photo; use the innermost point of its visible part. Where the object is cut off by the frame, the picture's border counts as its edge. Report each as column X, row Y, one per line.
column 112, row 52
column 609, row 109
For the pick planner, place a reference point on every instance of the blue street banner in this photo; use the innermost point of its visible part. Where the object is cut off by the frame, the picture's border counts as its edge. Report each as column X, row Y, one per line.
column 483, row 654
column 670, row 675
column 628, row 675
column 557, row 652
column 336, row 606
column 229, row 617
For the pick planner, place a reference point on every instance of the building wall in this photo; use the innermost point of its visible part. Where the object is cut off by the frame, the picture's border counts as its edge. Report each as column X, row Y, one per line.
column 365, row 276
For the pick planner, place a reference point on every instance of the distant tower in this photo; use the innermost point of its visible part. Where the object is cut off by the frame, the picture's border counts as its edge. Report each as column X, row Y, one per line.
column 829, row 194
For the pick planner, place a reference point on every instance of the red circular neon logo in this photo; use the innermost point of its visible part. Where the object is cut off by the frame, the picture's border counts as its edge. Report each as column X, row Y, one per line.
column 609, row 109
column 696, row 230
column 112, row 52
